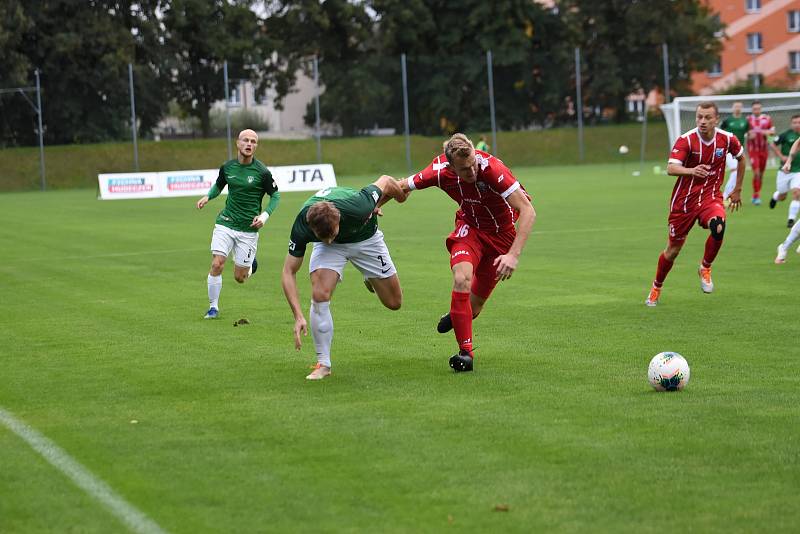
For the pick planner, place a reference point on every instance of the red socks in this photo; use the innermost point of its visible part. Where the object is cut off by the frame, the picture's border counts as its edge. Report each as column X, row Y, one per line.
column 712, row 248
column 756, row 187
column 461, row 315
column 664, row 265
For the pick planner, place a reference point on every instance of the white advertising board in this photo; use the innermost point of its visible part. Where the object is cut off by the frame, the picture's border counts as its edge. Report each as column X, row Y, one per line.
column 197, row 183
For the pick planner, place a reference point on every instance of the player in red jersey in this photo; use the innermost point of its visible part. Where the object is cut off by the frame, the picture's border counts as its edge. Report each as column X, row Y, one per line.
column 485, row 246
column 698, row 160
column 760, row 127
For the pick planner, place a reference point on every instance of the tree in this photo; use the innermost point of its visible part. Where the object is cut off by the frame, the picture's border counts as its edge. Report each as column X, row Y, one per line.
column 82, row 50
column 621, row 40
column 200, row 36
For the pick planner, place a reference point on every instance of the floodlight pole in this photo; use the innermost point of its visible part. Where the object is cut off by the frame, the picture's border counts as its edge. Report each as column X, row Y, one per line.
column 491, row 101
column 665, row 55
column 579, row 101
column 133, row 119
column 316, row 109
column 227, row 108
column 405, row 110
column 41, row 131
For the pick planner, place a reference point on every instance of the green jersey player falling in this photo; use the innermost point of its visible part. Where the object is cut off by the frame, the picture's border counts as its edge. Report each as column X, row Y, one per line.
column 237, row 225
column 789, row 180
column 342, row 223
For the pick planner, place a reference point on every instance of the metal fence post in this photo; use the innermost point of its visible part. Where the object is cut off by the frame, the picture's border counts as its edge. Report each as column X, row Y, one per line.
column 405, row 110
column 665, row 56
column 316, row 109
column 41, row 130
column 491, row 101
column 133, row 120
column 579, row 102
column 227, row 108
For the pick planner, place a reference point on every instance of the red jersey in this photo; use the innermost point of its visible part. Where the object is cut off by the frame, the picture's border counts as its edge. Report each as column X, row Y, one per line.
column 482, row 204
column 690, row 150
column 759, row 125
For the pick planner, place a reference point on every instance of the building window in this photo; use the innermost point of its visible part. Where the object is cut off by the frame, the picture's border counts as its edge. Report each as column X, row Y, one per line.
column 235, row 97
column 716, row 69
column 794, row 21
column 717, row 22
column 754, row 43
column 752, row 6
column 794, row 62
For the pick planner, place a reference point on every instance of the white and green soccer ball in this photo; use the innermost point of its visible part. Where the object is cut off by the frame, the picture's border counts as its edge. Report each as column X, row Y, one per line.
column 668, row 371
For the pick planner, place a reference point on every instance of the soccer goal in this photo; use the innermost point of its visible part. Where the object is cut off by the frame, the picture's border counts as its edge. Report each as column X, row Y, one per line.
column 681, row 111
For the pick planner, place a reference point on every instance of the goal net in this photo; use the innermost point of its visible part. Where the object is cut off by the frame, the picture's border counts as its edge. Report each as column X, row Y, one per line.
column 681, row 111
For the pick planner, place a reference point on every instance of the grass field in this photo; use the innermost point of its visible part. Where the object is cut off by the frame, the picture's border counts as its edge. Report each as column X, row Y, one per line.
column 70, row 166
column 102, row 305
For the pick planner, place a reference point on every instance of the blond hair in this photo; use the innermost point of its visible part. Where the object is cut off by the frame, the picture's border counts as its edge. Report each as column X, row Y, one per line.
column 458, row 146
column 323, row 218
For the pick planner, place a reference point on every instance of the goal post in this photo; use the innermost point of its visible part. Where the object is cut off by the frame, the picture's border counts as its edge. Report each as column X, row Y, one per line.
column 680, row 113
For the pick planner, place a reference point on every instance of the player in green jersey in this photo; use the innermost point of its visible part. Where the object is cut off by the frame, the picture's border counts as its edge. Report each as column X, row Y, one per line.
column 237, row 225
column 792, row 164
column 483, row 145
column 737, row 125
column 788, row 180
column 342, row 223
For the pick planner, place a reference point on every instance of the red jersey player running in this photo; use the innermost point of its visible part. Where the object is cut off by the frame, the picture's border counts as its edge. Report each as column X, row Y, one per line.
column 698, row 160
column 485, row 246
column 760, row 127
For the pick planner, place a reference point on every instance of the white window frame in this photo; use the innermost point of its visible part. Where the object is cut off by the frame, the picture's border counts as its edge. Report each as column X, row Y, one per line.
column 794, row 61
column 752, row 6
column 793, row 21
column 715, row 72
column 757, row 36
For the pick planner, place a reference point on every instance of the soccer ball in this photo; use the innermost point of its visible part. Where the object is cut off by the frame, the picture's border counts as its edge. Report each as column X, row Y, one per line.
column 668, row 371
column 623, row 149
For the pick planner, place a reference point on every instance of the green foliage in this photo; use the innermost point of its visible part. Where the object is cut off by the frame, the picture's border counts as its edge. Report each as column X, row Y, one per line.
column 621, row 43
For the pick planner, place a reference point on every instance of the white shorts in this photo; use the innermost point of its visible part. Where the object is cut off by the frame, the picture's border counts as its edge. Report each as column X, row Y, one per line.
column 370, row 256
column 787, row 180
column 243, row 244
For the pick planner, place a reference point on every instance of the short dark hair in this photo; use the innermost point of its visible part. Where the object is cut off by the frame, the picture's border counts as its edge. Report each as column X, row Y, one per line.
column 708, row 104
column 323, row 218
column 755, row 102
column 795, row 116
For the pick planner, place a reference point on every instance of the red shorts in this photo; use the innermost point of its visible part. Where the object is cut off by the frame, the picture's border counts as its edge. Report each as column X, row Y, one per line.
column 680, row 223
column 758, row 160
column 467, row 243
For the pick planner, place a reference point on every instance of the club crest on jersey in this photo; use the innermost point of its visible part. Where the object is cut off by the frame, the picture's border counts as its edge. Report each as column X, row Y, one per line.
column 718, row 153
column 250, row 179
column 481, row 186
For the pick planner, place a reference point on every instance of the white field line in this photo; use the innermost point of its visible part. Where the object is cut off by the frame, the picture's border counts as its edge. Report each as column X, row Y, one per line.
column 82, row 477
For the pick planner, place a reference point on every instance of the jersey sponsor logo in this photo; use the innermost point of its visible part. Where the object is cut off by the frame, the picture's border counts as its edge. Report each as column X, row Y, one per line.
column 460, row 253
column 292, row 245
column 375, row 196
column 500, row 179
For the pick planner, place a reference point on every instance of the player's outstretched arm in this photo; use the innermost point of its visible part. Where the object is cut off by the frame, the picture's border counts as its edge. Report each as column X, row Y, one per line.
column 289, row 283
column 391, row 189
column 507, row 263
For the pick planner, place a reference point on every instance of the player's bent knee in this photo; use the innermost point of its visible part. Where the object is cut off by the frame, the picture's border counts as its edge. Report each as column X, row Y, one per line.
column 717, row 227
column 319, row 294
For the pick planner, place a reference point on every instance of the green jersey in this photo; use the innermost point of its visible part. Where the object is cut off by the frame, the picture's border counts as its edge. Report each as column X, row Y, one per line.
column 247, row 185
column 738, row 126
column 785, row 142
column 357, row 222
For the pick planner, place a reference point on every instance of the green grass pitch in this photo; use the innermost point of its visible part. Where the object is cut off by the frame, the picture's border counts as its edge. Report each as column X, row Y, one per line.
column 102, row 306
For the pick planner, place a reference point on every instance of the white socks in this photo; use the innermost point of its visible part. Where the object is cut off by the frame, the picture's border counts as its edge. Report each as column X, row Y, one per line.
column 322, row 330
column 794, row 208
column 214, row 289
column 794, row 233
